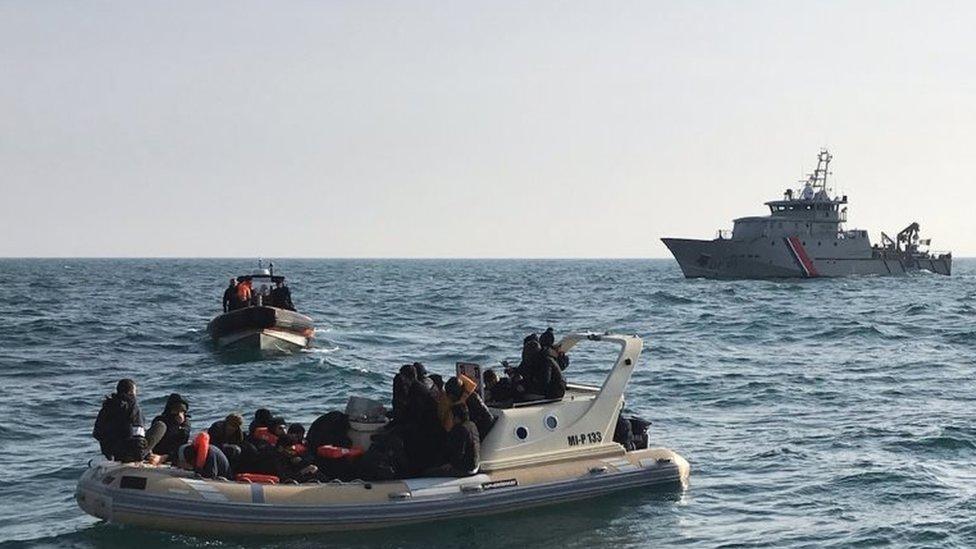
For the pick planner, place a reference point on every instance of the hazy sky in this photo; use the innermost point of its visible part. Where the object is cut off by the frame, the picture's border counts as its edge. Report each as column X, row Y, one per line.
column 471, row 129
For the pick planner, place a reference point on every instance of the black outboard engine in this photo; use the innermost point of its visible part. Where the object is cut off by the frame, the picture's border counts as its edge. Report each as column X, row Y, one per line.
column 638, row 428
column 631, row 433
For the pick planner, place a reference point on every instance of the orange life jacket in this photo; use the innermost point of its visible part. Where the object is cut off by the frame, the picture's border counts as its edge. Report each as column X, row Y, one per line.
column 329, row 451
column 244, row 291
column 256, row 478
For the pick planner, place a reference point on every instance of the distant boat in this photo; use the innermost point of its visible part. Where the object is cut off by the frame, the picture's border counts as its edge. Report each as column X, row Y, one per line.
column 263, row 324
column 804, row 237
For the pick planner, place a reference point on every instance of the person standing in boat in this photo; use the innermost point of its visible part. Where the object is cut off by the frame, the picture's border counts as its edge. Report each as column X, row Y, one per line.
column 281, row 296
column 244, row 294
column 230, row 296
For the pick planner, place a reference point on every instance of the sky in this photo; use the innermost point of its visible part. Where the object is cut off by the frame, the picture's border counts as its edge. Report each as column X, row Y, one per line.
column 471, row 129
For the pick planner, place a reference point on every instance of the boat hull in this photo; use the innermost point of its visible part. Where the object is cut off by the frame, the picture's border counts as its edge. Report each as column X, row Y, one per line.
column 731, row 259
column 261, row 329
column 173, row 500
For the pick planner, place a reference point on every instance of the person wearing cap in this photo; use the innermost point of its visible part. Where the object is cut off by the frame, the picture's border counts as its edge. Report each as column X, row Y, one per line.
column 176, row 421
column 228, row 435
column 230, row 296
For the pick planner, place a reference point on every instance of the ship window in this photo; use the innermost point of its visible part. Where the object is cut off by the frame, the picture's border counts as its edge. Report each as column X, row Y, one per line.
column 521, row 432
column 772, row 242
column 835, row 243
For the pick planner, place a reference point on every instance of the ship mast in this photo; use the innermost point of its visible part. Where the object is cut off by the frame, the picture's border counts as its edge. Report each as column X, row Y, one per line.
column 819, row 176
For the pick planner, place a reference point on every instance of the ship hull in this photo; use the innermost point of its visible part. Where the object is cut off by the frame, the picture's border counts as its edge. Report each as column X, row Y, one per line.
column 788, row 258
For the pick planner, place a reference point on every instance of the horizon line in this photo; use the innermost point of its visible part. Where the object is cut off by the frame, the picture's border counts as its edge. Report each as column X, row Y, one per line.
column 466, row 258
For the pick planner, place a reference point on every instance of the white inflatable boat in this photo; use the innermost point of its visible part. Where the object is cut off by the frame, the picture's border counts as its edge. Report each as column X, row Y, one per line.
column 536, row 454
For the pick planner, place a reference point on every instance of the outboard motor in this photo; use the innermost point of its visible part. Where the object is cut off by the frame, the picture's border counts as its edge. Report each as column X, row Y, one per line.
column 631, row 433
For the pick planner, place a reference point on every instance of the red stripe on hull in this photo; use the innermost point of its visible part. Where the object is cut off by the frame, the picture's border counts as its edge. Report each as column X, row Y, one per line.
column 801, row 255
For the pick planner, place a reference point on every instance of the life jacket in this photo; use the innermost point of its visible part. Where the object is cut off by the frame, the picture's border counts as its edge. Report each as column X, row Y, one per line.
column 244, row 291
column 329, row 451
column 256, row 478
column 265, row 434
column 202, row 445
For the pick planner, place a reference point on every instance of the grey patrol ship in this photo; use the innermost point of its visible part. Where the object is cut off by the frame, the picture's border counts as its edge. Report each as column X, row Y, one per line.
column 804, row 237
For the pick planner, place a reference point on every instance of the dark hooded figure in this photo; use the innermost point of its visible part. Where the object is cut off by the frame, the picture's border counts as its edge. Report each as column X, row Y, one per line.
column 119, row 425
column 463, row 447
column 401, row 387
column 547, row 339
column 176, row 418
column 290, row 465
column 422, row 376
column 262, row 418
column 281, row 296
column 424, row 435
column 230, row 296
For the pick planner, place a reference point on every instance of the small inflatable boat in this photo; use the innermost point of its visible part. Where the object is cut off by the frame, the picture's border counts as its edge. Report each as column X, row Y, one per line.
column 262, row 325
column 536, row 454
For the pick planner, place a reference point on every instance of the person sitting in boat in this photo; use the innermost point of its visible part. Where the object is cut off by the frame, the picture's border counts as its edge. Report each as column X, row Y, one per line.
column 119, row 426
column 292, row 462
column 175, row 425
column 281, row 296
column 548, row 342
column 463, row 390
column 420, row 427
column 462, row 448
column 215, row 464
column 228, row 435
column 490, row 380
column 402, row 382
column 230, row 296
column 297, row 432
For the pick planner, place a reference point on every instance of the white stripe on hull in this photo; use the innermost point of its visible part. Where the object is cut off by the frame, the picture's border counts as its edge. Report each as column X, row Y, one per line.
column 264, row 340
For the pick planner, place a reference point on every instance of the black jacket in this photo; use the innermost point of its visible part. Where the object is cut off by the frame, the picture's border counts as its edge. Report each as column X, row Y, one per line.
column 219, row 436
column 176, row 435
column 463, row 448
column 230, row 298
column 119, row 415
column 479, row 414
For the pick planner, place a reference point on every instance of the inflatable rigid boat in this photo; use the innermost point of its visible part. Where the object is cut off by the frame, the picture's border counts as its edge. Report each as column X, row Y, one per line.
column 536, row 454
column 263, row 324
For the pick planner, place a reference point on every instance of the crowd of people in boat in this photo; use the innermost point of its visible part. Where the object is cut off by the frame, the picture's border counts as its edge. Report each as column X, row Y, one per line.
column 436, row 427
column 242, row 293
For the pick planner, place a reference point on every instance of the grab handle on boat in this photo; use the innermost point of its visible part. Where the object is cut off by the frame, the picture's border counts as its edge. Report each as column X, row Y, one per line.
column 400, row 495
column 598, row 470
column 472, row 489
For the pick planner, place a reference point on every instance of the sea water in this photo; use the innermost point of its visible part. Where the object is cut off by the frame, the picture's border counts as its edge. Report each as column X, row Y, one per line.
column 813, row 412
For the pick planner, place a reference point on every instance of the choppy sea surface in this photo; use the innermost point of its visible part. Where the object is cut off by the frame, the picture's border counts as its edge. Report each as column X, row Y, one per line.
column 813, row 412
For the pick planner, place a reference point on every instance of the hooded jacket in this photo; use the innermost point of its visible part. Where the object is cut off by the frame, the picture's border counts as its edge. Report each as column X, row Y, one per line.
column 119, row 420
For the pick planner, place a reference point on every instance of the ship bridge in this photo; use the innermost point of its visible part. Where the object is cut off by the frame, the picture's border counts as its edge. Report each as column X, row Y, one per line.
column 807, row 210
